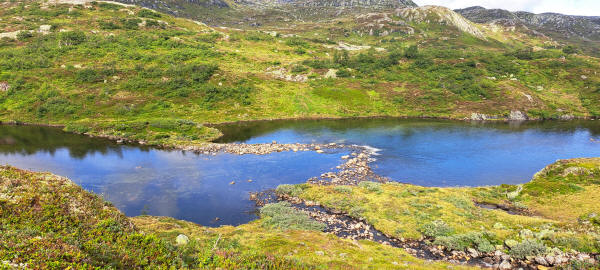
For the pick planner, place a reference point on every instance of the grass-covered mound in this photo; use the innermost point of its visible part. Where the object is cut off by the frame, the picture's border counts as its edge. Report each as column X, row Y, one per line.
column 559, row 210
column 130, row 72
column 47, row 221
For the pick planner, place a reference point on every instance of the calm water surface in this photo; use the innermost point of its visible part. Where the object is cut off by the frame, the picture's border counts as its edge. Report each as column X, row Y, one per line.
column 141, row 180
column 441, row 153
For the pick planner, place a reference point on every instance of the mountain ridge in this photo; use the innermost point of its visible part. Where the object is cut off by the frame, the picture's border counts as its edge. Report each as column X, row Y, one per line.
column 553, row 24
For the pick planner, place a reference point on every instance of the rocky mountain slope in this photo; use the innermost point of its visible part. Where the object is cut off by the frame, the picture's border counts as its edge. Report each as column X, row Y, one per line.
column 552, row 24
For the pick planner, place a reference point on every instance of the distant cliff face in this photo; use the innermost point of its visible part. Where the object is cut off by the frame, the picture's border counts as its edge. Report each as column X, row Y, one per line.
column 345, row 3
column 552, row 24
column 257, row 11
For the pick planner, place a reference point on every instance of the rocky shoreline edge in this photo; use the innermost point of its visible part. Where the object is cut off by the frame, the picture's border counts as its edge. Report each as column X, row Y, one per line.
column 354, row 170
column 345, row 226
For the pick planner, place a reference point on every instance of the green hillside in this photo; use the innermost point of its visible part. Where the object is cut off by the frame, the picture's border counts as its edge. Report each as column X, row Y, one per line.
column 125, row 71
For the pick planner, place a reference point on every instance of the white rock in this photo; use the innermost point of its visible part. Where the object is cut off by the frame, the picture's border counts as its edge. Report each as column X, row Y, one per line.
column 182, row 240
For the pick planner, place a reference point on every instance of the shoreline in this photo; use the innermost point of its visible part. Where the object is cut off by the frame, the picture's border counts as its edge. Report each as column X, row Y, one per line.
column 215, row 125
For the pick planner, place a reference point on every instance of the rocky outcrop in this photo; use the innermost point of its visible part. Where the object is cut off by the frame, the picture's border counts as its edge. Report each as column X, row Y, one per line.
column 517, row 116
column 553, row 24
column 441, row 15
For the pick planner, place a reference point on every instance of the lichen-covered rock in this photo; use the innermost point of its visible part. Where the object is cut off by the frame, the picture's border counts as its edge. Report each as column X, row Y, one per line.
column 182, row 239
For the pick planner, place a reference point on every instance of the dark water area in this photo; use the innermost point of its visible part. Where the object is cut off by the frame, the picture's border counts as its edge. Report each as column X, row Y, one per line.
column 440, row 152
column 143, row 180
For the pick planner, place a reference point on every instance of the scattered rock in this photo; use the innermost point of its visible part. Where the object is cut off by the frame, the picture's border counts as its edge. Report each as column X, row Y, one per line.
column 331, row 73
column 4, row 86
column 510, row 243
column 182, row 240
column 566, row 117
column 479, row 117
column 319, row 253
column 517, row 116
column 45, row 29
column 505, row 265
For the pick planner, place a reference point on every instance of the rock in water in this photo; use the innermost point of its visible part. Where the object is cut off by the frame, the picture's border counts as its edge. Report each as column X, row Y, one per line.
column 182, row 240
column 517, row 116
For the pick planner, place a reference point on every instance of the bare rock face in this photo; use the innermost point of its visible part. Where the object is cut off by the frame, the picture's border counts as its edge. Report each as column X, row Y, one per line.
column 552, row 24
column 517, row 116
column 442, row 15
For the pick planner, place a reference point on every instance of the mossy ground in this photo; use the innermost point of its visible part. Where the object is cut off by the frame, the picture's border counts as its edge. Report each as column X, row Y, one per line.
column 49, row 222
column 112, row 70
column 561, row 201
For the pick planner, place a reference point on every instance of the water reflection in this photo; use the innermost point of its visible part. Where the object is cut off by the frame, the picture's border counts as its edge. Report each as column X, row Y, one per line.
column 157, row 182
column 439, row 152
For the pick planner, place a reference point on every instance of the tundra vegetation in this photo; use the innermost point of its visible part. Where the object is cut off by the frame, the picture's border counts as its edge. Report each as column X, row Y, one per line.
column 50, row 222
column 133, row 73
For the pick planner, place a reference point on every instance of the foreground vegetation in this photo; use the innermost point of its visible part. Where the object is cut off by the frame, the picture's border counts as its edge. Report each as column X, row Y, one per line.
column 558, row 211
column 129, row 72
column 49, row 222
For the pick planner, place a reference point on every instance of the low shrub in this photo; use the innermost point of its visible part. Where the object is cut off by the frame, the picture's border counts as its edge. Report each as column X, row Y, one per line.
column 343, row 73
column 24, row 35
column 291, row 190
column 146, row 13
column 343, row 189
column 282, row 216
column 477, row 240
column 436, row 229
column 371, row 186
column 356, row 211
column 71, row 38
column 529, row 247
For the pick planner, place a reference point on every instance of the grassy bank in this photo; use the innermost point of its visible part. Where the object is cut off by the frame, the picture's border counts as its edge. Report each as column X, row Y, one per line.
column 129, row 72
column 557, row 210
column 49, row 222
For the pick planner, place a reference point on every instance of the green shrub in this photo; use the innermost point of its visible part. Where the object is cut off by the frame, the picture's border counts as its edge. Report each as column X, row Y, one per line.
column 108, row 25
column 343, row 73
column 356, row 211
column 283, row 217
column 146, row 13
column 371, row 186
column 529, row 247
column 132, row 24
column 24, row 35
column 477, row 240
column 295, row 41
column 436, row 229
column 570, row 49
column 71, row 38
column 343, row 189
column 299, row 69
column 411, row 52
column 291, row 190
column 88, row 75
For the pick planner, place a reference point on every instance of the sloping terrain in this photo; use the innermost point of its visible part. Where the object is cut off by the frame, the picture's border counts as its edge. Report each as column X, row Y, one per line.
column 129, row 72
column 583, row 30
column 49, row 222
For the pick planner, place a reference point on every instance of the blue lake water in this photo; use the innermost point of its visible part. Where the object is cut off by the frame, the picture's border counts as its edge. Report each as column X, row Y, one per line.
column 159, row 182
column 440, row 152
column 142, row 180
